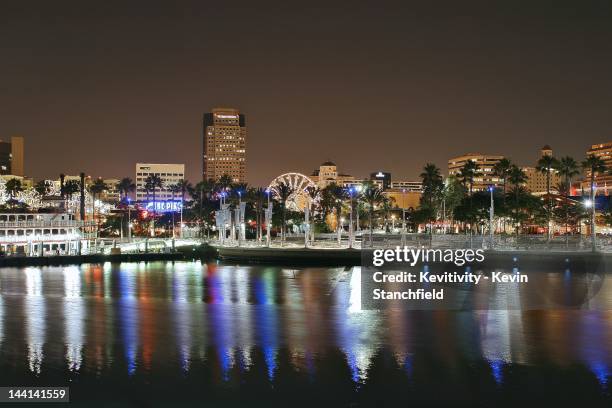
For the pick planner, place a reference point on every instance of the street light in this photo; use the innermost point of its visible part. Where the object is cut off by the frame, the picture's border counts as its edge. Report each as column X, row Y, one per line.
column 268, row 219
column 358, row 189
column 589, row 203
column 129, row 200
column 351, row 191
column 491, row 213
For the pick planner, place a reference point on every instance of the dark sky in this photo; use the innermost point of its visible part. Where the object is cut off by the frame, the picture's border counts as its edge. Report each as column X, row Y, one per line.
column 98, row 86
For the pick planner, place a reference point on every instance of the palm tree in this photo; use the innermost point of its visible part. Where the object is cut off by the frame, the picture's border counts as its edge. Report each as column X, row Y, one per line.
column 153, row 182
column 433, row 186
column 546, row 165
column 517, row 177
column 313, row 193
column 593, row 164
column 335, row 197
column 283, row 192
column 568, row 168
column 82, row 196
column 182, row 187
column 224, row 182
column 373, row 196
column 42, row 188
column 466, row 175
column 97, row 188
column 432, row 182
column 71, row 187
column 256, row 197
column 174, row 189
column 62, row 178
column 13, row 187
column 204, row 189
column 501, row 170
column 125, row 187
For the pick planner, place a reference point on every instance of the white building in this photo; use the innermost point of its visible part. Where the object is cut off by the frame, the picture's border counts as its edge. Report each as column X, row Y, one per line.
column 169, row 174
column 409, row 186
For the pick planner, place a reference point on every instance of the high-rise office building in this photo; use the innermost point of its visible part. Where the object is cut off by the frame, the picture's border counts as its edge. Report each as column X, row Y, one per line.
column 11, row 156
column 484, row 176
column 224, row 140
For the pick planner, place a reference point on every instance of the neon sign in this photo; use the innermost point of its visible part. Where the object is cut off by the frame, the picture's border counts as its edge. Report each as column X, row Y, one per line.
column 163, row 206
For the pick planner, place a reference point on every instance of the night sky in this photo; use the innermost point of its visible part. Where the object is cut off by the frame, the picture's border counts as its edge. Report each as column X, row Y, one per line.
column 98, row 86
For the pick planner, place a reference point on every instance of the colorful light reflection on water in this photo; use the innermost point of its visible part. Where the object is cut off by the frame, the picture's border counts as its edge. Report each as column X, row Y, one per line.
column 237, row 320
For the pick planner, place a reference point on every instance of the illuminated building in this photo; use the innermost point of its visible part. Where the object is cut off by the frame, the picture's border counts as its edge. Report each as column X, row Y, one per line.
column 409, row 186
column 328, row 174
column 484, row 175
column 11, row 156
column 224, row 142
column 382, row 179
column 403, row 198
column 536, row 180
column 170, row 174
column 26, row 182
column 111, row 193
column 603, row 182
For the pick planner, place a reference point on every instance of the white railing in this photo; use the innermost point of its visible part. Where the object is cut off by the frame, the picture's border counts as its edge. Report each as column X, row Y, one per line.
column 45, row 224
column 23, row 239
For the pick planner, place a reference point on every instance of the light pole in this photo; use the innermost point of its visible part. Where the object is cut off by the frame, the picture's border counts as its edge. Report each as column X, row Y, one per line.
column 403, row 209
column 590, row 203
column 268, row 219
column 491, row 213
column 129, row 220
column 239, row 223
column 358, row 190
column 351, row 190
column 182, row 202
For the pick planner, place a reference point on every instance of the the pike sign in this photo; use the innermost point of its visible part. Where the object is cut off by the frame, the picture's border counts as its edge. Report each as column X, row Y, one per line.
column 163, row 206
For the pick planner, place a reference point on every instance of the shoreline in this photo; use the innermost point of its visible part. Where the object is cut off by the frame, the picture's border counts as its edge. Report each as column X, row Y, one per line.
column 313, row 257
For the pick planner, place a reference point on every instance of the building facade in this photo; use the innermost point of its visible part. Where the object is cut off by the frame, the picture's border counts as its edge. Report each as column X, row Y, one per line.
column 409, row 186
column 603, row 182
column 224, row 143
column 170, row 174
column 328, row 174
column 484, row 177
column 536, row 180
column 11, row 157
column 382, row 179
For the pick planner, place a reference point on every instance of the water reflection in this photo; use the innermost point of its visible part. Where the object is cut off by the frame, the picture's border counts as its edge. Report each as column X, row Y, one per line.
column 128, row 315
column 74, row 314
column 35, row 317
column 226, row 326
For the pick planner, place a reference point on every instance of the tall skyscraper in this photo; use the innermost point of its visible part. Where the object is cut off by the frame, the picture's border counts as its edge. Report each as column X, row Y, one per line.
column 224, row 140
column 11, row 156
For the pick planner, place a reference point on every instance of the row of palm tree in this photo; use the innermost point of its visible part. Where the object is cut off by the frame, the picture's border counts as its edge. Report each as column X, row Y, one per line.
column 435, row 190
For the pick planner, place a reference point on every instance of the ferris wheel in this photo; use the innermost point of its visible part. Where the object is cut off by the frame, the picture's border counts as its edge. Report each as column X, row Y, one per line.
column 299, row 183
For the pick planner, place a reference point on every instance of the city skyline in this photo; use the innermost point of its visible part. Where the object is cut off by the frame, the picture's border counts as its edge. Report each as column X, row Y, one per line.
column 97, row 89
